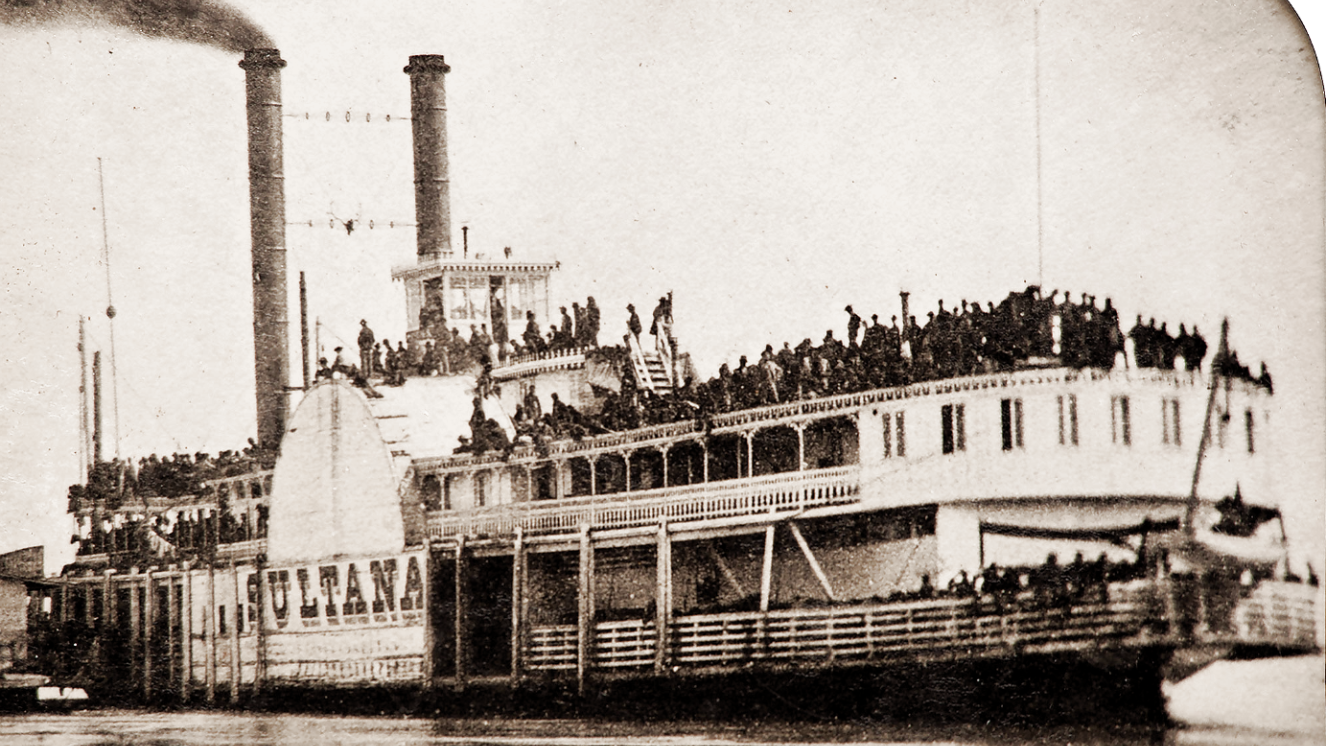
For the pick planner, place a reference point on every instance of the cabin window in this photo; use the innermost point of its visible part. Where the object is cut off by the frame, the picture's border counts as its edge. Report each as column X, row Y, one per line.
column 775, row 450
column 954, row 427
column 221, row 619
column 582, row 476
column 900, row 434
column 545, row 482
column 888, row 435
column 1169, row 422
column 1010, row 423
column 1068, row 420
column 1121, row 430
column 432, row 492
column 480, row 489
column 1247, row 426
column 831, row 442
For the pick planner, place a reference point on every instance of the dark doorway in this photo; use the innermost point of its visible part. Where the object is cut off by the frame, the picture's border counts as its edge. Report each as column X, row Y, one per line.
column 488, row 616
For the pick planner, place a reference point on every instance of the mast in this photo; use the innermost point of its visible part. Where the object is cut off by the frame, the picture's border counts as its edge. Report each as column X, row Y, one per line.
column 84, row 442
column 1040, row 227
column 1190, row 515
column 110, row 314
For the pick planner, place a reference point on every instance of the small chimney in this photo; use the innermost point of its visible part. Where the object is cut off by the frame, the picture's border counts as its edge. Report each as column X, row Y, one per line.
column 271, row 363
column 432, row 190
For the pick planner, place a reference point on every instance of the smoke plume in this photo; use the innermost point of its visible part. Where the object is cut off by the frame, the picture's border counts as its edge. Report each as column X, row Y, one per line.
column 208, row 22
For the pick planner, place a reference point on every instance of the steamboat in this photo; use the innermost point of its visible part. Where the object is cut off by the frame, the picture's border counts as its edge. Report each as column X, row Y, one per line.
column 1017, row 508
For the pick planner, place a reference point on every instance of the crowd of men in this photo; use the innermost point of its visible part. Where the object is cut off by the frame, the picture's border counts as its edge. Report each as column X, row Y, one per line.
column 1026, row 327
column 447, row 351
column 121, row 481
column 139, row 536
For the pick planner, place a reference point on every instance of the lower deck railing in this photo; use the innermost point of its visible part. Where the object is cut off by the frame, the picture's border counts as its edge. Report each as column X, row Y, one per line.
column 920, row 629
column 1276, row 614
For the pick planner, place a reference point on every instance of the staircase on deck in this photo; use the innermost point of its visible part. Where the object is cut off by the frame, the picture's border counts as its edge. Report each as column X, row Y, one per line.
column 653, row 369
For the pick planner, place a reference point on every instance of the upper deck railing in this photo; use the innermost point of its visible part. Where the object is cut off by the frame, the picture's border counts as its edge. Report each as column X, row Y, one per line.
column 774, row 493
column 803, row 410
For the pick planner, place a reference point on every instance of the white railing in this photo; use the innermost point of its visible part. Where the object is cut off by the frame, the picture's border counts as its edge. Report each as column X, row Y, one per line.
column 790, row 491
column 1278, row 613
column 905, row 630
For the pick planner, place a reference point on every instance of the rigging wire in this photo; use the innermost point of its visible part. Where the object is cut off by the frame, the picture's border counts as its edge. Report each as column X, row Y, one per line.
column 110, row 307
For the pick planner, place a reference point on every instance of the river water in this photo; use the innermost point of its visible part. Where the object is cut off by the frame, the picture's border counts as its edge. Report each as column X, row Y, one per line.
column 1277, row 703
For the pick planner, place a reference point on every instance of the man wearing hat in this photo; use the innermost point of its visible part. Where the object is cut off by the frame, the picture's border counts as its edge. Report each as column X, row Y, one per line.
column 366, row 341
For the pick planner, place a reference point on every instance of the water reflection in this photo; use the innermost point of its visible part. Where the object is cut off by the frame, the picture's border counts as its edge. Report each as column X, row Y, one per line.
column 131, row 728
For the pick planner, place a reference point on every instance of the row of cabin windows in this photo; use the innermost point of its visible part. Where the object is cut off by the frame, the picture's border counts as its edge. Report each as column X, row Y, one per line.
column 953, row 431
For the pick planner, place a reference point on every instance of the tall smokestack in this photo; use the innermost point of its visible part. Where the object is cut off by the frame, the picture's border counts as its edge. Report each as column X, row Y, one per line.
column 262, row 76
column 432, row 191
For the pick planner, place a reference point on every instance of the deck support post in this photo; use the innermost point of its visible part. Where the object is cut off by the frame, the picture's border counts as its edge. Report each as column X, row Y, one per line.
column 236, row 665
column 430, row 627
column 766, row 571
column 186, row 632
column 749, row 437
column 260, row 634
column 135, row 627
column 663, row 598
column 585, row 615
column 209, row 635
column 149, row 619
column 460, row 612
column 810, row 558
column 172, row 637
column 626, row 459
column 518, row 573
column 663, row 450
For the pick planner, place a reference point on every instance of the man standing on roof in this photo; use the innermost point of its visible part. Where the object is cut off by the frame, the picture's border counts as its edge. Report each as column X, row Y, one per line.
column 366, row 340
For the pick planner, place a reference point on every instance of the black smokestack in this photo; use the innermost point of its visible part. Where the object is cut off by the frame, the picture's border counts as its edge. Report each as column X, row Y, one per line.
column 206, row 22
column 428, row 113
column 262, row 68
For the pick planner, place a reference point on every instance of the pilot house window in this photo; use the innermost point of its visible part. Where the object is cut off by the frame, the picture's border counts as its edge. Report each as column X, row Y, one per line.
column 1247, row 425
column 953, row 421
column 895, row 435
column 1010, row 423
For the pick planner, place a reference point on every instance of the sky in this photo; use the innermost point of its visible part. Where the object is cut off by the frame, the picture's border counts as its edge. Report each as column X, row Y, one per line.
column 766, row 163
